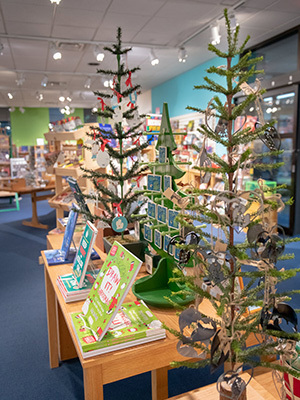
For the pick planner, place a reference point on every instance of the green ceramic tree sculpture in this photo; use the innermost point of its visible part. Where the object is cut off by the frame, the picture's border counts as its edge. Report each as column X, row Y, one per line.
column 161, row 225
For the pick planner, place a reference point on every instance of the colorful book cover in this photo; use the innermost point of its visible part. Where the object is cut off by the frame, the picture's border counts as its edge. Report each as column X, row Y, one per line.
column 133, row 321
column 84, row 252
column 110, row 289
column 60, row 256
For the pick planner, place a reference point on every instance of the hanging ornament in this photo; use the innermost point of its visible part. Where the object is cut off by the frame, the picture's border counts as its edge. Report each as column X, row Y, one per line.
column 102, row 159
column 128, row 80
column 117, row 115
column 119, row 224
column 102, row 103
column 95, row 149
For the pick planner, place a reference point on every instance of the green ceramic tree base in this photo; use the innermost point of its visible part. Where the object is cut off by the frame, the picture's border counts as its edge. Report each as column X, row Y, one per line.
column 156, row 289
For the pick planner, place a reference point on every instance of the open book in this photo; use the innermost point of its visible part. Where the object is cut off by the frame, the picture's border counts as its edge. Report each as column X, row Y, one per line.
column 134, row 324
column 101, row 310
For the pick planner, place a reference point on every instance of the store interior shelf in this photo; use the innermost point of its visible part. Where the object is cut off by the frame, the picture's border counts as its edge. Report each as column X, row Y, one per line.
column 63, row 136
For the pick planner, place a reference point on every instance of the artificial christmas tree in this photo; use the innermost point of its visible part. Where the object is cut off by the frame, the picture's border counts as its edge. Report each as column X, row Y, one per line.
column 218, row 256
column 118, row 148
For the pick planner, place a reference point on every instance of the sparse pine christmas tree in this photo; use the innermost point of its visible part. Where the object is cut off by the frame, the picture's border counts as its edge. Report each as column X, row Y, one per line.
column 218, row 256
column 119, row 148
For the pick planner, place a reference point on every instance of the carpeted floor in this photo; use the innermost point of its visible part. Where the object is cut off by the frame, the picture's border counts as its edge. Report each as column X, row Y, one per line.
column 24, row 371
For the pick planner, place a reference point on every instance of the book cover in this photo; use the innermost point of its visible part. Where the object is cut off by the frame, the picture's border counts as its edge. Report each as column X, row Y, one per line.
column 134, row 324
column 110, row 289
column 60, row 256
column 84, row 252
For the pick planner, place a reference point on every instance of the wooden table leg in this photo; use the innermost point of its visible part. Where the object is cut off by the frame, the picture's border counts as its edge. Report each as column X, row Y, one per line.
column 93, row 383
column 66, row 346
column 34, row 220
column 51, row 302
column 159, row 379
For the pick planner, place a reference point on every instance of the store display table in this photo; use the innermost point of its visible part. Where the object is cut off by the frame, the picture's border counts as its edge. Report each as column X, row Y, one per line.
column 106, row 368
column 34, row 222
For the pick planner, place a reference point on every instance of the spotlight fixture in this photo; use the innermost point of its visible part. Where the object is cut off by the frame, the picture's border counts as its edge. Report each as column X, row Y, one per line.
column 88, row 82
column 94, row 109
column 22, row 110
column 20, row 79
column 10, row 96
column 182, row 54
column 99, row 53
column 1, row 49
column 215, row 34
column 56, row 53
column 108, row 83
column 154, row 60
column 69, row 99
column 55, row 2
column 44, row 81
column 61, row 98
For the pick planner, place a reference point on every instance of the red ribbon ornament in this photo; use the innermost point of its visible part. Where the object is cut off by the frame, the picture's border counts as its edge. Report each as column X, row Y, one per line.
column 132, row 105
column 128, row 80
column 119, row 96
column 104, row 141
column 118, row 207
column 138, row 180
column 102, row 103
column 137, row 141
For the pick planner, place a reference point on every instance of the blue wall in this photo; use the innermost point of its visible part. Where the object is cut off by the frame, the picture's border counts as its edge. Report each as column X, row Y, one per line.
column 179, row 92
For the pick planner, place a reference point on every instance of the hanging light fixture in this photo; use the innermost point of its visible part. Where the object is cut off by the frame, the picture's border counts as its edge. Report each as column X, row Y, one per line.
column 56, row 53
column 215, row 34
column 182, row 54
column 44, row 81
column 153, row 58
column 88, row 82
column 99, row 53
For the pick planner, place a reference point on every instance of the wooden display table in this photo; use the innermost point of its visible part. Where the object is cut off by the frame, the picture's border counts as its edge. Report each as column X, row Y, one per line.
column 106, row 368
column 34, row 222
column 255, row 391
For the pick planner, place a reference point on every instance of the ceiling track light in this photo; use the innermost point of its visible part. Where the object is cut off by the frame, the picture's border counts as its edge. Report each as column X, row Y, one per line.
column 153, row 58
column 182, row 54
column 108, row 83
column 61, row 98
column 55, row 2
column 56, row 53
column 88, row 82
column 10, row 95
column 215, row 34
column 99, row 53
column 39, row 96
column 44, row 81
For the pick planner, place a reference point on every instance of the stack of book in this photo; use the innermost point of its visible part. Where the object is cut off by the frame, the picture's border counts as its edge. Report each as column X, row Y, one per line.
column 105, row 323
column 69, row 288
column 134, row 324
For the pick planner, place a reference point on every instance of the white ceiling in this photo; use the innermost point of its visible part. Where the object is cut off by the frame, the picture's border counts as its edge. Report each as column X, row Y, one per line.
column 27, row 27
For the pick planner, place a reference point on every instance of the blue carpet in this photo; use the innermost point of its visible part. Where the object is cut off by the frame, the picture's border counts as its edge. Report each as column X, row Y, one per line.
column 25, row 371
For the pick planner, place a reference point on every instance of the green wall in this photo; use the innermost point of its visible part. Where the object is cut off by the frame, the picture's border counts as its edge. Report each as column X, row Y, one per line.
column 27, row 127
column 32, row 124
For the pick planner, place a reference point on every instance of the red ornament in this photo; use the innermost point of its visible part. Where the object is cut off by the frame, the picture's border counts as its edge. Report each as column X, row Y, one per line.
column 118, row 207
column 102, row 103
column 128, row 80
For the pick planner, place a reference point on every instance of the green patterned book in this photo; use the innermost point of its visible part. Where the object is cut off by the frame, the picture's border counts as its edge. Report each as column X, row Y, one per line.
column 134, row 324
column 110, row 289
